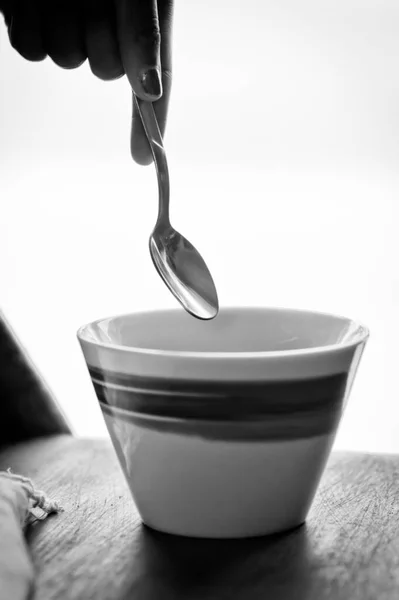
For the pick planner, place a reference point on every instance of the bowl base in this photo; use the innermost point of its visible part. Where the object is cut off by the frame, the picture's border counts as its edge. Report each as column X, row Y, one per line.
column 226, row 536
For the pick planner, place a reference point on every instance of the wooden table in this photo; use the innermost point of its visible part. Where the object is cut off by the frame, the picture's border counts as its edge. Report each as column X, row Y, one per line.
column 98, row 550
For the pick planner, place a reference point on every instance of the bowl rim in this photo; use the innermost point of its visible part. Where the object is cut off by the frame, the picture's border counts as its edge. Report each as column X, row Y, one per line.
column 361, row 335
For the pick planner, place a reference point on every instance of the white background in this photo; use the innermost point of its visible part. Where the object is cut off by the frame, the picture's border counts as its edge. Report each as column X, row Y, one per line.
column 283, row 142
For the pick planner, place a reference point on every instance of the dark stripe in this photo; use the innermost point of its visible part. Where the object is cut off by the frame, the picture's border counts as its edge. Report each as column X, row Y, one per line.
column 234, row 405
column 272, row 429
column 311, row 406
column 311, row 388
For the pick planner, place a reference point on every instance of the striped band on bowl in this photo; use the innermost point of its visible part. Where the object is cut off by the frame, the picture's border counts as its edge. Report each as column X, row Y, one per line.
column 277, row 409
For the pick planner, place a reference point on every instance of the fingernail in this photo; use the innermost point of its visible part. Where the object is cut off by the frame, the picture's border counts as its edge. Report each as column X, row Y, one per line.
column 151, row 82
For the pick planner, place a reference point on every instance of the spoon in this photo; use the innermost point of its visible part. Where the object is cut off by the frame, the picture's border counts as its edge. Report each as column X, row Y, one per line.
column 179, row 264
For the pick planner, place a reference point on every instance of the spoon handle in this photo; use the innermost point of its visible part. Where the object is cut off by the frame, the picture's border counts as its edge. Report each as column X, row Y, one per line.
column 150, row 124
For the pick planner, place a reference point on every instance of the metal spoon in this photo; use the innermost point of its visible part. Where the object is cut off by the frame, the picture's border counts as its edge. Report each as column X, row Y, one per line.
column 177, row 261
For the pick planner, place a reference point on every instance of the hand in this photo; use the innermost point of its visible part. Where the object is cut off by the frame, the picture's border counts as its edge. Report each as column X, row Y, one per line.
column 118, row 37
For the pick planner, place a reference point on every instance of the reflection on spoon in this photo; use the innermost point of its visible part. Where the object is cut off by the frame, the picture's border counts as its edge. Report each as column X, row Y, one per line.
column 177, row 261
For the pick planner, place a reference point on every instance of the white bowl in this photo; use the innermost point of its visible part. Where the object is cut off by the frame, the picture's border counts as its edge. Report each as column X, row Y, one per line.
column 223, row 428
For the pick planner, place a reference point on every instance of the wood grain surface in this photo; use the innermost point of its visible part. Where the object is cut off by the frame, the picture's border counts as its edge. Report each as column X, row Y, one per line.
column 98, row 550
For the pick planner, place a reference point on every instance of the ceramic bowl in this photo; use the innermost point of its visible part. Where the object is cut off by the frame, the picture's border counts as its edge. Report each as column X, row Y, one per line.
column 223, row 428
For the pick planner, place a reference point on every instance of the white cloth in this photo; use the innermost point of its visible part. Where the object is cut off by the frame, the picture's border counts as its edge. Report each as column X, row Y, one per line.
column 20, row 504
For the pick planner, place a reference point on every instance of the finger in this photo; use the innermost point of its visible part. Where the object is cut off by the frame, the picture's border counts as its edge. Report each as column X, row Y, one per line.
column 5, row 10
column 140, row 148
column 25, row 31
column 101, row 40
column 139, row 43
column 64, row 33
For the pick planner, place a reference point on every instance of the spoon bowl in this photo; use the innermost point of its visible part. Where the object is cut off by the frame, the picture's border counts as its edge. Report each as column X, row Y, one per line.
column 184, row 271
column 179, row 264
